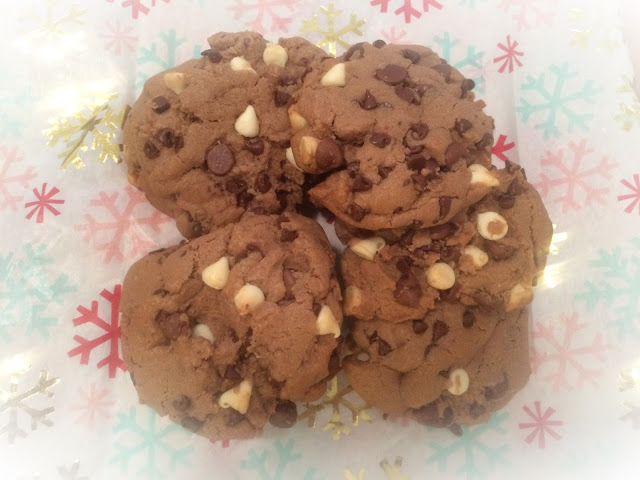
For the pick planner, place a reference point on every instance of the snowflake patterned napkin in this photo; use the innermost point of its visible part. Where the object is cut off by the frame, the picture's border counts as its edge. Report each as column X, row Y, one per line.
column 556, row 76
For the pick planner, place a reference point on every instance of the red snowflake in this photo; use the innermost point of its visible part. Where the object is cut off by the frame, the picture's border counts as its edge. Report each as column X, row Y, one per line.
column 44, row 201
column 94, row 404
column 501, row 147
column 223, row 443
column 529, row 13
column 127, row 222
column 556, row 350
column 575, row 177
column 634, row 196
column 261, row 10
column 541, row 424
column 11, row 158
column 112, row 333
column 510, row 56
column 118, row 38
column 137, row 6
column 394, row 37
column 407, row 8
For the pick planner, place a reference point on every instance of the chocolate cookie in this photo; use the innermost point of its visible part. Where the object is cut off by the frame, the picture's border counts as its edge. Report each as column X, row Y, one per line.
column 206, row 140
column 397, row 127
column 488, row 256
column 225, row 332
column 455, row 383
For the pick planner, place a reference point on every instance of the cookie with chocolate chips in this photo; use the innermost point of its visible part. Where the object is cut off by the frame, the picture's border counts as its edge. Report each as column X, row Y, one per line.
column 487, row 256
column 206, row 141
column 397, row 128
column 224, row 333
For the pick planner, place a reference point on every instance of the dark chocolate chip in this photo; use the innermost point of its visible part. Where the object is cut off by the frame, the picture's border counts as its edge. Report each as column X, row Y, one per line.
column 288, row 80
column 316, row 307
column 356, row 212
column 498, row 251
column 192, row 423
column 516, row 187
column 466, row 86
column 440, row 232
column 368, row 102
column 506, row 201
column 281, row 98
column 440, row 329
column 328, row 154
column 456, row 429
column 150, row 150
column 418, row 131
column 182, row 403
column 463, row 125
column 263, row 183
column 443, row 69
column 445, row 206
column 355, row 52
column 285, row 414
column 408, row 94
column 486, row 300
column 288, row 278
column 383, row 348
column 392, row 74
column 230, row 373
column 411, row 55
column 232, row 417
column 220, row 159
column 166, row 137
column 212, row 54
column 384, row 171
column 254, row 145
column 196, row 229
column 407, row 238
column 429, row 415
column 454, row 153
column 173, row 325
column 373, row 337
column 428, row 349
column 420, row 180
column 178, row 143
column 397, row 210
column 419, row 327
column 451, row 294
column 235, row 185
column 408, row 291
column 161, row 292
column 380, row 139
column 486, row 141
column 449, row 254
column 415, row 148
column 244, row 199
column 404, row 263
column 160, row 104
column 422, row 89
column 476, row 410
column 288, row 235
column 432, row 168
column 416, row 161
column 379, row 43
column 498, row 390
column 468, row 319
column 360, row 184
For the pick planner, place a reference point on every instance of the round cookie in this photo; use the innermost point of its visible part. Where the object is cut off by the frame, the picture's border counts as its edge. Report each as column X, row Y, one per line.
column 224, row 333
column 469, row 387
column 206, row 140
column 487, row 256
column 397, row 128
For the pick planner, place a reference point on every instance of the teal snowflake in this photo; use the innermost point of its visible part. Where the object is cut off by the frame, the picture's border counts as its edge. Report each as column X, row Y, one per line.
column 261, row 460
column 468, row 62
column 15, row 100
column 552, row 102
column 472, row 447
column 470, row 3
column 28, row 291
column 153, row 442
column 617, row 287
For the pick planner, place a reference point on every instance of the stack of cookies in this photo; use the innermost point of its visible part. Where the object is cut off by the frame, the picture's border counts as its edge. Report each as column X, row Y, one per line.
column 226, row 332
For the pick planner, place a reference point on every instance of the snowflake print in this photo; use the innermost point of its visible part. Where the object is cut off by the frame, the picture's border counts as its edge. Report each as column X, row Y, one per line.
column 71, row 473
column 393, row 36
column 529, row 14
column 119, row 38
column 541, row 424
column 43, row 203
column 501, row 147
column 155, row 444
column 581, row 181
column 634, row 197
column 467, row 60
column 593, row 29
column 223, row 443
column 15, row 402
column 563, row 357
column 126, row 226
column 407, row 9
column 111, row 328
column 261, row 461
column 510, row 57
column 138, row 6
column 10, row 160
column 268, row 15
column 165, row 52
column 331, row 37
column 94, row 404
column 552, row 102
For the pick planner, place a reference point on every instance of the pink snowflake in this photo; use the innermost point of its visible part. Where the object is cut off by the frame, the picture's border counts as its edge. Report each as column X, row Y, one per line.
column 44, row 201
column 127, row 221
column 501, row 147
column 634, row 197
column 223, row 443
column 558, row 351
column 138, row 7
column 261, row 10
column 394, row 37
column 510, row 56
column 529, row 13
column 541, row 424
column 93, row 404
column 407, row 8
column 576, row 177
column 12, row 158
column 111, row 328
column 119, row 38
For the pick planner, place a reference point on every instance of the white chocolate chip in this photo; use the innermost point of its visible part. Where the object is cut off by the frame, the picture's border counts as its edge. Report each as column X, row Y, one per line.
column 335, row 77
column 352, row 298
column 326, row 322
column 480, row 174
column 291, row 159
column 519, row 296
column 216, row 275
column 247, row 123
column 275, row 55
column 363, row 356
column 248, row 298
column 458, row 381
column 239, row 64
column 238, row 397
column 478, row 257
column 298, row 122
column 367, row 248
column 492, row 225
column 441, row 276
column 307, row 147
column 202, row 330
column 174, row 81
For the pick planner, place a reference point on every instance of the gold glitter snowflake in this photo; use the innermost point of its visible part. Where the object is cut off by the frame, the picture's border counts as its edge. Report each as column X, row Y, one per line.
column 629, row 112
column 593, row 29
column 331, row 37
column 393, row 471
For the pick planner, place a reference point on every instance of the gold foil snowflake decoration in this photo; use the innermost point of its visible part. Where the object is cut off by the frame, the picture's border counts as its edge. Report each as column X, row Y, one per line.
column 593, row 30
column 331, row 37
column 629, row 113
column 394, row 470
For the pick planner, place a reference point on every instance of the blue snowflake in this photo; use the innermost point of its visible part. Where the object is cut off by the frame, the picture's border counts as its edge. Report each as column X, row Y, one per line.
column 470, row 3
column 152, row 442
column 617, row 288
column 469, row 63
column 28, row 290
column 15, row 100
column 472, row 446
column 260, row 460
column 551, row 101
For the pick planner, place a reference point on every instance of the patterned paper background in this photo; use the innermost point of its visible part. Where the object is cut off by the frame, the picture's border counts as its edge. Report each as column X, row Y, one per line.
column 557, row 77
